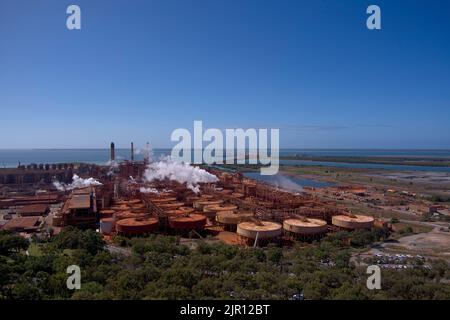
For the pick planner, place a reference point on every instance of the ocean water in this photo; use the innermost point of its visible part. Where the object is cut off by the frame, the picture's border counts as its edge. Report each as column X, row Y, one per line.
column 286, row 182
column 10, row 158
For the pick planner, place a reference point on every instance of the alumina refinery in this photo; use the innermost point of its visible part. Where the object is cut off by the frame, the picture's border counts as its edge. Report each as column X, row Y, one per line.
column 137, row 198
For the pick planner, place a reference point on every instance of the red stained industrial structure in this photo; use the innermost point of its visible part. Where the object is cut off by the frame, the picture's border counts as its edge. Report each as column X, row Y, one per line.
column 127, row 204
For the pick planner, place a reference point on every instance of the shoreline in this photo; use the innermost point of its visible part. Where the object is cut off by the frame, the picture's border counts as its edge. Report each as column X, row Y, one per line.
column 394, row 160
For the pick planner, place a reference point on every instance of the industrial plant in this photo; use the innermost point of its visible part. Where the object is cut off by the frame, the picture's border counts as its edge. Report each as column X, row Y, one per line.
column 137, row 198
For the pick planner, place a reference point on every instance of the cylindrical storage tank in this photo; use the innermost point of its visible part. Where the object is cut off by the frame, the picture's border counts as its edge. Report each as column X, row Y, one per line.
column 220, row 207
column 237, row 195
column 180, row 211
column 164, row 200
column 264, row 230
column 127, row 215
column 132, row 226
column 187, row 222
column 106, row 225
column 154, row 196
column 199, row 205
column 138, row 206
column 211, row 211
column 134, row 201
column 191, row 199
column 305, row 227
column 353, row 222
column 119, row 208
column 231, row 219
column 139, row 211
column 107, row 213
column 170, row 206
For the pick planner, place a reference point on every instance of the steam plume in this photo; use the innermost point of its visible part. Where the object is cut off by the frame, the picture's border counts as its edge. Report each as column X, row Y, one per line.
column 77, row 182
column 153, row 190
column 146, row 152
column 283, row 183
column 180, row 172
column 148, row 190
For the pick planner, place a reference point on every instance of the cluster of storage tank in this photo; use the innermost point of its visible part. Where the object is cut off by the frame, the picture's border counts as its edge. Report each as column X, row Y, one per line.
column 127, row 217
column 227, row 215
column 266, row 231
column 194, row 212
column 181, row 215
column 298, row 228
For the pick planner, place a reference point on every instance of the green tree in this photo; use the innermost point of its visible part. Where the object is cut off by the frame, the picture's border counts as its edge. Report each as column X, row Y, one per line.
column 10, row 243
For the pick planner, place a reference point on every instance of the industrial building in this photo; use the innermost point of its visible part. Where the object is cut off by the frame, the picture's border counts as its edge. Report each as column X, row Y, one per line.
column 33, row 210
column 255, row 212
column 23, row 224
column 80, row 209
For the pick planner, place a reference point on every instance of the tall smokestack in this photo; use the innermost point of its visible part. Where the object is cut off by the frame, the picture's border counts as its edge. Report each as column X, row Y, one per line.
column 132, row 151
column 147, row 153
column 113, row 153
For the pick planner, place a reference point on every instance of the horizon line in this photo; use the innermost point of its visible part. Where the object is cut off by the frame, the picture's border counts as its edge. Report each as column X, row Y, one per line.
column 282, row 148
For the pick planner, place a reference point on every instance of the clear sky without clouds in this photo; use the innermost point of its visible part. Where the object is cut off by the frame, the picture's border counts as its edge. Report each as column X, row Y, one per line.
column 139, row 69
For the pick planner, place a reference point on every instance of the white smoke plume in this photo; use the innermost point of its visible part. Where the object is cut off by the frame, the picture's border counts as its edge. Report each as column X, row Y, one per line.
column 113, row 166
column 285, row 183
column 59, row 186
column 148, row 190
column 153, row 190
column 112, row 163
column 180, row 172
column 147, row 152
column 77, row 182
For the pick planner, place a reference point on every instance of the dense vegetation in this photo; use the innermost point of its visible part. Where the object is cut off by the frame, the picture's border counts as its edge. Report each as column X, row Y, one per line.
column 158, row 268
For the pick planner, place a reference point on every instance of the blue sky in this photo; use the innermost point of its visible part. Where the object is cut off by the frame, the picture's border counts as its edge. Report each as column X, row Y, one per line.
column 139, row 69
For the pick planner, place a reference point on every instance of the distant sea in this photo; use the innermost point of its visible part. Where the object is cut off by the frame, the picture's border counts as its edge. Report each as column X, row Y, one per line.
column 10, row 158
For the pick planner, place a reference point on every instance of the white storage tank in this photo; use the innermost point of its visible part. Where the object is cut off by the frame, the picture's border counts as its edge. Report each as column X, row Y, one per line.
column 106, row 225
